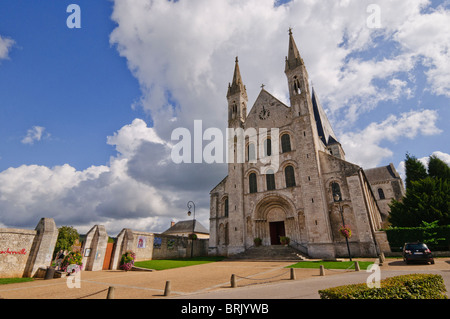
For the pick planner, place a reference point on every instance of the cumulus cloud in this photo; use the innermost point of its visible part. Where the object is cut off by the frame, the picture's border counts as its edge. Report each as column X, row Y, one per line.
column 364, row 147
column 183, row 52
column 105, row 194
column 441, row 155
column 35, row 134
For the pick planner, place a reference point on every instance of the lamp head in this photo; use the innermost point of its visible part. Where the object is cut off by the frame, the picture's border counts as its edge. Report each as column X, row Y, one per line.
column 336, row 197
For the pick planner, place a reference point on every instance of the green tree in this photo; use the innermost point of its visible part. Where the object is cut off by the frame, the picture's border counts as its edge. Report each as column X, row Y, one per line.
column 430, row 233
column 427, row 196
column 414, row 170
column 66, row 238
column 438, row 168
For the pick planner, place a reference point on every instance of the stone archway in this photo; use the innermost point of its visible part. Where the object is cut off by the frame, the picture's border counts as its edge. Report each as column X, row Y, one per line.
column 273, row 217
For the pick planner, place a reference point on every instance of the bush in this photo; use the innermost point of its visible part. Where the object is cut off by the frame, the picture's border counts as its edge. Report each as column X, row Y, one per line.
column 284, row 240
column 127, row 260
column 192, row 236
column 72, row 258
column 413, row 286
column 398, row 236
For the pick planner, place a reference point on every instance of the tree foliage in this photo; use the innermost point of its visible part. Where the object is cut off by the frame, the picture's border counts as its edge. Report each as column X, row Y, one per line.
column 414, row 169
column 66, row 238
column 427, row 194
column 438, row 168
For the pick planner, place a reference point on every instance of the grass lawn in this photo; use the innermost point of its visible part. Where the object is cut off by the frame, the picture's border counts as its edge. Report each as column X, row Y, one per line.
column 176, row 263
column 4, row 281
column 331, row 264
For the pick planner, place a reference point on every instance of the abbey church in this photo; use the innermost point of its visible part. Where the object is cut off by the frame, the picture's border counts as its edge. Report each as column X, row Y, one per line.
column 293, row 179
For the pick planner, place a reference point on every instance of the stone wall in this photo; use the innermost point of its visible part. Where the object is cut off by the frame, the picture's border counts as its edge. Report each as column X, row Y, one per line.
column 94, row 248
column 23, row 251
column 148, row 246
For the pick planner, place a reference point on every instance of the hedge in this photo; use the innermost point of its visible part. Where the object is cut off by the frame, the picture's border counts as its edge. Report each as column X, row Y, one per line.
column 398, row 236
column 413, row 286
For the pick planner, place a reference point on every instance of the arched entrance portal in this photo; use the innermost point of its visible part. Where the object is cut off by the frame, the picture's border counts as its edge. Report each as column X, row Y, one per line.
column 273, row 217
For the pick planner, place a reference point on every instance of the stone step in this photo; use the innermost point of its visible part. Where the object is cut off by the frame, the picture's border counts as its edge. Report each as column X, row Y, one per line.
column 274, row 252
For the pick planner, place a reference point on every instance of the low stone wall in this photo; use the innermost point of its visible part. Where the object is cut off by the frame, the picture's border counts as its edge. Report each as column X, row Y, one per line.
column 148, row 246
column 24, row 251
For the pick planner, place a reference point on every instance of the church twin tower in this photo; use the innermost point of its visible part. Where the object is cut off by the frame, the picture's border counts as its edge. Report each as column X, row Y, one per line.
column 298, row 87
column 308, row 194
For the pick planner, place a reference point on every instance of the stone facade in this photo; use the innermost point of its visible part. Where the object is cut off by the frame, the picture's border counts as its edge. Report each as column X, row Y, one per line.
column 285, row 166
column 94, row 248
column 386, row 185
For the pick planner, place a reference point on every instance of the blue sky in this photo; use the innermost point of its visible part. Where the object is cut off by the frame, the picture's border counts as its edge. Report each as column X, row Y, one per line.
column 86, row 114
column 70, row 81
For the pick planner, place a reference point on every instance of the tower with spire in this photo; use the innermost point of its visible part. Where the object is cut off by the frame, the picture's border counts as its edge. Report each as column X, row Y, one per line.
column 237, row 99
column 309, row 193
column 297, row 76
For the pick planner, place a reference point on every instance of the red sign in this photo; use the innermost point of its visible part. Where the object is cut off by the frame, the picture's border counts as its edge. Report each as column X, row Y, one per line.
column 12, row 252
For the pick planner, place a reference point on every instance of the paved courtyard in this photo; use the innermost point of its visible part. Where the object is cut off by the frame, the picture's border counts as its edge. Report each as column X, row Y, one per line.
column 255, row 280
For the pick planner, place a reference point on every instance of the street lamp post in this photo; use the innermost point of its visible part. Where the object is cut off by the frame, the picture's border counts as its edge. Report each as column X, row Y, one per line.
column 337, row 199
column 191, row 204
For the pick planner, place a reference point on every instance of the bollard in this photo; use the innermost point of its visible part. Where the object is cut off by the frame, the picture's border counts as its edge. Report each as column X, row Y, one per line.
column 357, row 266
column 50, row 273
column 167, row 289
column 110, row 293
column 382, row 259
column 233, row 281
column 322, row 270
column 292, row 274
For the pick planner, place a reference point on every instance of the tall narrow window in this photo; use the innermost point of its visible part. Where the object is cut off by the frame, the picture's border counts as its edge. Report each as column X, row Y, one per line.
column 289, row 176
column 225, row 207
column 252, row 183
column 267, row 147
column 251, row 150
column 285, row 143
column 270, row 180
column 381, row 193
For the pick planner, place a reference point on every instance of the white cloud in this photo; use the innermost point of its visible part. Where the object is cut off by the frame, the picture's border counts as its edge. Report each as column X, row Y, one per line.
column 5, row 46
column 363, row 147
column 441, row 155
column 36, row 133
column 182, row 53
column 117, row 195
column 131, row 136
column 428, row 36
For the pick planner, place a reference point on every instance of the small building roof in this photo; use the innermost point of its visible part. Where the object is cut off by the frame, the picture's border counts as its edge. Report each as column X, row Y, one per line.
column 383, row 173
column 185, row 226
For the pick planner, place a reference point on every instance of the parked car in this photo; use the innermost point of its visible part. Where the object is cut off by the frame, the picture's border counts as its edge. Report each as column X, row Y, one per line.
column 417, row 252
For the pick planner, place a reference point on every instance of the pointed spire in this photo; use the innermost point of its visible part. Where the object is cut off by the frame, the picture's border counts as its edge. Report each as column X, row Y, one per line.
column 324, row 129
column 293, row 59
column 237, row 85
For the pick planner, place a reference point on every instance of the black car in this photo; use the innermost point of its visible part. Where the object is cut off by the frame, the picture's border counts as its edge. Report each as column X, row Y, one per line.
column 417, row 252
